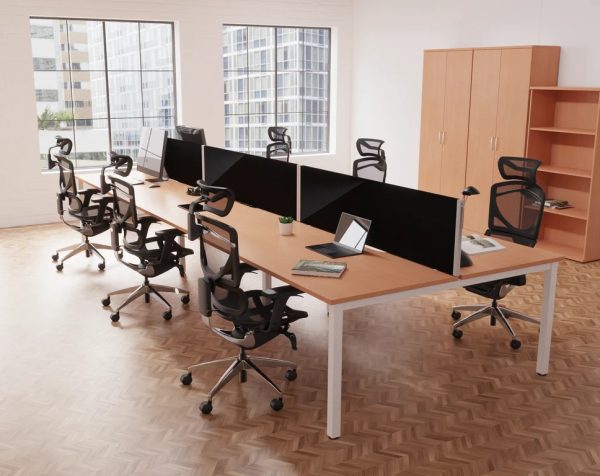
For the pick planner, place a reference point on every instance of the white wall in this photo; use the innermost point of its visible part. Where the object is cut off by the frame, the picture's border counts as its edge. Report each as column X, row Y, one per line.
column 28, row 196
column 390, row 36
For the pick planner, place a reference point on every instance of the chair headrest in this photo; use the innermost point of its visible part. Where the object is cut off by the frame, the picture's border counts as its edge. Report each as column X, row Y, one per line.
column 518, row 168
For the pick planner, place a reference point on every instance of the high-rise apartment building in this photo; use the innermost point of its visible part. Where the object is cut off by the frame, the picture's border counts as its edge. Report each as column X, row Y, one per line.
column 100, row 82
column 276, row 76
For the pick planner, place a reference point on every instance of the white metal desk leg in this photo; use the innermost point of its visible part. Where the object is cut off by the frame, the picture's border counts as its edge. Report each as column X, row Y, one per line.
column 545, row 338
column 334, row 372
column 183, row 260
column 267, row 282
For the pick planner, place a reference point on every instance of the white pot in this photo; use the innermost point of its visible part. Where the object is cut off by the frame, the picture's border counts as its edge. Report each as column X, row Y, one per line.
column 286, row 228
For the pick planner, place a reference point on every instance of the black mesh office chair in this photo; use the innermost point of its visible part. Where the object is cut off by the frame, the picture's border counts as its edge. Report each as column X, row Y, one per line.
column 516, row 208
column 87, row 207
column 256, row 316
column 372, row 164
column 281, row 147
column 155, row 254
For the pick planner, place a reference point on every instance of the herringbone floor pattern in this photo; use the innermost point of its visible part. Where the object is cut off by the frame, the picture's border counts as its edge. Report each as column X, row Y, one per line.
column 81, row 396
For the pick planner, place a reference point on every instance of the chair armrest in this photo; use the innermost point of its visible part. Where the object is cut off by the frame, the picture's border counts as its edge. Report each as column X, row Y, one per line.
column 279, row 296
column 281, row 292
column 246, row 268
column 87, row 195
column 103, row 207
column 102, row 199
column 168, row 234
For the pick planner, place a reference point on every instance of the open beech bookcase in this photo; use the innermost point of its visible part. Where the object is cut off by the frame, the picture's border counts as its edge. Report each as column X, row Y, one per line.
column 563, row 134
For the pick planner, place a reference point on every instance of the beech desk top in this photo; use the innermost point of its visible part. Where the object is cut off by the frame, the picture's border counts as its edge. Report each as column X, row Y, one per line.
column 374, row 273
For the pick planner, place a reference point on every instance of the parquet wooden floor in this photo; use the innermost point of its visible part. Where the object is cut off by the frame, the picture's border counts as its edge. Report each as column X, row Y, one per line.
column 81, row 396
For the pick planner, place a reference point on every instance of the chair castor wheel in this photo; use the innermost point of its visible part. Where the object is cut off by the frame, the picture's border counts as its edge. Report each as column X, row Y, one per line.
column 186, row 378
column 457, row 333
column 101, row 266
column 167, row 315
column 277, row 404
column 115, row 316
column 515, row 344
column 185, row 299
column 243, row 376
column 206, row 407
column 182, row 272
column 146, row 298
column 55, row 257
column 291, row 375
column 455, row 315
column 87, row 253
column 59, row 267
column 106, row 301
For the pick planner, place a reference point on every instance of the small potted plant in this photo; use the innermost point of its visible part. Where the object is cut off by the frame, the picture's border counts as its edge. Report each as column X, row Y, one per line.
column 286, row 225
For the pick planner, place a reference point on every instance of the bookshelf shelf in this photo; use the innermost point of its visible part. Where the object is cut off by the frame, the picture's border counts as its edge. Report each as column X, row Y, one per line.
column 562, row 133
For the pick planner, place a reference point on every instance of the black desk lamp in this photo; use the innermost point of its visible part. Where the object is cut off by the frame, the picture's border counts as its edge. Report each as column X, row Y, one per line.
column 465, row 260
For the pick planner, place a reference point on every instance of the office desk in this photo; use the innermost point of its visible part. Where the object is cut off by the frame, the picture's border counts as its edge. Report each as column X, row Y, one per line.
column 371, row 278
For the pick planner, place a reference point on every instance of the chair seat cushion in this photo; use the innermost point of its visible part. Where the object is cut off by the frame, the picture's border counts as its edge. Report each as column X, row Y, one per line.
column 88, row 213
column 491, row 289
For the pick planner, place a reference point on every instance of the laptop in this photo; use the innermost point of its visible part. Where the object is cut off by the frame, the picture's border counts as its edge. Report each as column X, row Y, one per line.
column 350, row 237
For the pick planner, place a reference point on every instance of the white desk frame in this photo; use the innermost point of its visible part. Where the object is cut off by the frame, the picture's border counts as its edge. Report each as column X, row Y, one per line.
column 336, row 329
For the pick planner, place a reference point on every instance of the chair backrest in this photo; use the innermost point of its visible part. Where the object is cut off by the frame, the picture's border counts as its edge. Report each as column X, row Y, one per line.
column 278, row 151
column 219, row 258
column 370, row 168
column 517, row 205
column 66, row 177
column 124, row 209
column 67, row 182
column 370, row 148
column 281, row 148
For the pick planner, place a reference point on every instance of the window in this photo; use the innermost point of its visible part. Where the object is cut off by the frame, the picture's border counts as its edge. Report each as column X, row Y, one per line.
column 98, row 82
column 276, row 76
column 46, row 95
column 41, row 31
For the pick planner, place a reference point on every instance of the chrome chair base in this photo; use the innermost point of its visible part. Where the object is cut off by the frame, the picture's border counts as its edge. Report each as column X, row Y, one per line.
column 239, row 366
column 147, row 290
column 87, row 246
column 497, row 313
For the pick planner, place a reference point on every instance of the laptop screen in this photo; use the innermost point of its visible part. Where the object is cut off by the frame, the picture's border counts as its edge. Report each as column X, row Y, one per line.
column 352, row 231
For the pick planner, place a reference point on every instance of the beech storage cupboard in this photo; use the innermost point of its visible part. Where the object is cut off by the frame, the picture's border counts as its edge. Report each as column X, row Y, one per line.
column 445, row 120
column 495, row 124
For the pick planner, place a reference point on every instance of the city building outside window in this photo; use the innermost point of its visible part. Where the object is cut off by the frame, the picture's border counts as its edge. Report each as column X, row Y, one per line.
column 99, row 82
column 276, row 76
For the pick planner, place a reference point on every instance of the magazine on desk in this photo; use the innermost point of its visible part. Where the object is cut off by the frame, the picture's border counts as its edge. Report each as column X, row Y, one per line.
column 328, row 269
column 476, row 244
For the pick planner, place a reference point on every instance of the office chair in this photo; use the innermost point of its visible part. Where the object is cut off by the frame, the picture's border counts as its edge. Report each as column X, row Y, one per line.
column 372, row 164
column 257, row 316
column 87, row 206
column 281, row 147
column 157, row 254
column 516, row 208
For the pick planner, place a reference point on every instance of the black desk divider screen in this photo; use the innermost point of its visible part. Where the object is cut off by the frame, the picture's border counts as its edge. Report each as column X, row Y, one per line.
column 256, row 181
column 183, row 161
column 412, row 224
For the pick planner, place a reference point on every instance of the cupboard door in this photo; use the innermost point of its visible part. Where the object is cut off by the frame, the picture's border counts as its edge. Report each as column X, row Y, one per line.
column 482, row 130
column 456, row 122
column 432, row 120
column 513, row 104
